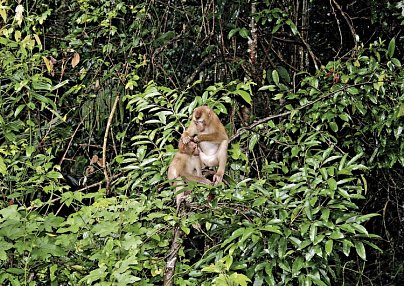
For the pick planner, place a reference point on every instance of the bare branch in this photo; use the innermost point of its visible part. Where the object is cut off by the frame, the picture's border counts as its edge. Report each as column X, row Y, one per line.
column 172, row 257
column 70, row 143
column 104, row 146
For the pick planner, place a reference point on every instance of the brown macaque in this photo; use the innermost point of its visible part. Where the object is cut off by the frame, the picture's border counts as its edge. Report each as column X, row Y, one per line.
column 207, row 130
column 186, row 165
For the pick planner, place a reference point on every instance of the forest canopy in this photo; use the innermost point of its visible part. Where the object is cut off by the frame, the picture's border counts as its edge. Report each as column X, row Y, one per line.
column 94, row 97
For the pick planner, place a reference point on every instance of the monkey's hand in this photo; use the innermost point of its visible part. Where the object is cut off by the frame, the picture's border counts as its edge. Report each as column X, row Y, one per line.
column 186, row 139
column 218, row 178
column 195, row 139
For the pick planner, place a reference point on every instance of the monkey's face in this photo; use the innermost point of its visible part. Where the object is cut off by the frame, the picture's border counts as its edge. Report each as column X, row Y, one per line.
column 200, row 125
column 201, row 118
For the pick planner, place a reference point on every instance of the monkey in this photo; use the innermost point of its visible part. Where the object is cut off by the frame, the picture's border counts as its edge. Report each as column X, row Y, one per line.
column 187, row 165
column 207, row 130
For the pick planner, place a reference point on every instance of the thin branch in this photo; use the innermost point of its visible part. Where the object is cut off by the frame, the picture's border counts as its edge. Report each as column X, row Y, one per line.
column 204, row 62
column 70, row 143
column 347, row 20
column 104, row 146
column 339, row 29
column 266, row 119
column 312, row 55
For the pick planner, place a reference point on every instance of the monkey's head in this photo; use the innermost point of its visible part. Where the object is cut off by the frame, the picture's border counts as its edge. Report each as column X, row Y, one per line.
column 201, row 117
column 191, row 148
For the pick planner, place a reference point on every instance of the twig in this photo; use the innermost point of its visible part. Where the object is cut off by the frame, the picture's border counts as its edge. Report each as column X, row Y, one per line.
column 312, row 55
column 204, row 62
column 339, row 29
column 104, row 146
column 348, row 21
column 70, row 143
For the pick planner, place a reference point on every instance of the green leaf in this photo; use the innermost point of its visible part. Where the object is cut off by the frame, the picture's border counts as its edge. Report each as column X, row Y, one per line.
column 275, row 77
column 329, row 246
column 3, row 167
column 282, row 246
column 337, row 234
column 3, row 14
column 11, row 213
column 313, row 232
column 361, row 218
column 244, row 33
column 244, row 95
column 344, row 117
column 332, row 184
column 271, row 228
column 333, row 126
column 391, row 48
column 297, row 265
column 283, row 73
column 19, row 109
column 238, row 232
column 253, row 141
column 400, row 111
column 353, row 90
column 346, row 247
column 270, row 87
column 292, row 26
column 240, row 279
column 276, row 28
column 54, row 175
column 396, row 62
column 213, row 268
column 342, row 162
column 360, row 228
column 233, row 32
column 360, row 249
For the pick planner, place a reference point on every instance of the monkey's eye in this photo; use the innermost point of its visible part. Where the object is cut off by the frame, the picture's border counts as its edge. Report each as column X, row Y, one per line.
column 199, row 122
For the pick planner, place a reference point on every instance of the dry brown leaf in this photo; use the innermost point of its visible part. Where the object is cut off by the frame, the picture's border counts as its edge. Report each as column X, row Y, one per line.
column 75, row 59
column 89, row 170
column 49, row 64
column 94, row 159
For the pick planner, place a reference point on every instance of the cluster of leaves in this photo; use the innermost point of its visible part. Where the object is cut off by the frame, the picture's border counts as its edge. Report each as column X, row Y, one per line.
column 343, row 98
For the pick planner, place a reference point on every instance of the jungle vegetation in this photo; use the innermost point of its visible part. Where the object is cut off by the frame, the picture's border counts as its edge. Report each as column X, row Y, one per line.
column 94, row 96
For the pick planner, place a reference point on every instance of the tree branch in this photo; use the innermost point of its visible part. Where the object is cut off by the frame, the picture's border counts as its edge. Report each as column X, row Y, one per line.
column 104, row 146
column 172, row 257
column 266, row 119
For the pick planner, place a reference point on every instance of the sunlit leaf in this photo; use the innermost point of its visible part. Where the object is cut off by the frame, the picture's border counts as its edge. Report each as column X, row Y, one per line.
column 275, row 77
column 3, row 167
column 329, row 246
column 360, row 249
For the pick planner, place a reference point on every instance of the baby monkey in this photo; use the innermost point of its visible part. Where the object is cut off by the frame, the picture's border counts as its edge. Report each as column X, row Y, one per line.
column 186, row 166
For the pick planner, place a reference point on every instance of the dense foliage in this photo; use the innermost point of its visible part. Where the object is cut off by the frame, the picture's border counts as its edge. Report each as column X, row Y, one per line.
column 94, row 96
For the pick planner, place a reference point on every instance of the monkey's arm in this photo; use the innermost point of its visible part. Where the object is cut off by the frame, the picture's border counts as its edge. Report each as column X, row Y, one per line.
column 215, row 137
column 190, row 132
column 222, row 158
